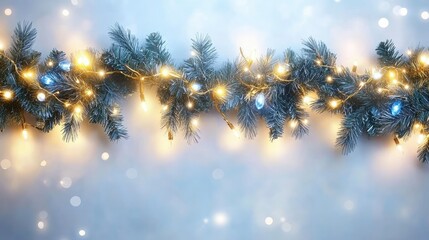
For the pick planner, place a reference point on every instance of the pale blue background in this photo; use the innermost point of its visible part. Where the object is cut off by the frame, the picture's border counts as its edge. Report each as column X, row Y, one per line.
column 151, row 189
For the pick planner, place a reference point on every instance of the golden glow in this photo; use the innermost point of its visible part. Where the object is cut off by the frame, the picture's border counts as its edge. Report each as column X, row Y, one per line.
column 258, row 76
column 407, row 86
column 50, row 64
column 67, row 104
column 307, row 99
column 83, row 60
column 395, row 81
column 281, row 70
column 421, row 138
column 339, row 69
column 165, row 72
column 195, row 87
column 29, row 75
column 293, row 124
column 417, row 126
column 115, row 111
column 164, row 107
column 78, row 109
column 89, row 92
column 189, row 105
column 1, row 46
column 236, row 132
column 101, row 73
column 424, row 58
column 245, row 69
column 376, row 74
column 409, row 52
column 194, row 122
column 379, row 90
column 144, row 105
column 361, row 84
column 305, row 121
column 220, row 91
column 7, row 94
column 25, row 133
column 334, row 103
column 319, row 62
column 329, row 79
column 392, row 74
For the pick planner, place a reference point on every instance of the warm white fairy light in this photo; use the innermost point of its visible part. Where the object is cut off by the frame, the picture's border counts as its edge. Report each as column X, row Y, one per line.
column 193, row 53
column 8, row 12
column 83, row 60
column 376, row 74
column 101, row 73
column 424, row 58
column 29, row 75
column 89, row 92
column 165, row 72
column 293, row 124
column 246, row 69
column 190, row 105
column 220, row 91
column 258, row 76
column 403, row 11
column 334, row 103
column 65, row 12
column 41, row 225
column 41, row 96
column 409, row 52
column 329, row 79
column 281, row 70
column 82, row 233
column 7, row 94
column 25, row 134
column 424, row 15
column 164, row 108
column 143, row 105
column 383, row 22
column 194, row 122
column 50, row 64
column 269, row 221
column 195, row 87
column 105, row 156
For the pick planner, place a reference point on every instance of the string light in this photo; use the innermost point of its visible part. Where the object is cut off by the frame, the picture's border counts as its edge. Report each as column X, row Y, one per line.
column 424, row 59
column 50, row 64
column 101, row 73
column 329, row 79
column 164, row 108
column 293, row 124
column 409, row 52
column 220, row 92
column 83, row 60
column 29, row 75
column 41, row 96
column 165, row 72
column 392, row 74
column 305, row 121
column 258, row 76
column 7, row 94
column 78, row 110
column 260, row 101
column 307, row 99
column 319, row 62
column 339, row 69
column 281, row 70
column 195, row 87
column 89, row 92
column 1, row 46
column 235, row 131
column 189, row 104
column 421, row 137
column 376, row 74
column 396, row 108
column 194, row 122
column 115, row 111
column 193, row 53
column 407, row 87
column 334, row 103
column 245, row 69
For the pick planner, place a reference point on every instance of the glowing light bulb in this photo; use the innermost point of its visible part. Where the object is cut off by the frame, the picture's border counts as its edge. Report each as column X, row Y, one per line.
column 83, row 60
column 383, row 22
column 258, row 76
column 246, row 69
column 396, row 108
column 421, row 138
column 50, row 64
column 376, row 74
column 8, row 12
column 409, row 52
column 28, row 75
column 220, row 91
column 165, row 72
column 195, row 87
column 78, row 110
column 7, row 94
column 89, row 92
column 164, row 107
column 25, row 134
column 293, row 124
column 407, row 87
column 193, row 53
column 339, row 69
column 305, row 121
column 424, row 15
column 392, row 74
column 101, row 73
column 41, row 96
column 334, row 103
column 319, row 62
column 424, row 59
column 236, row 133
column 395, row 81
column 307, row 99
column 194, row 122
column 329, row 79
column 65, row 12
column 189, row 105
column 417, row 126
column 281, row 70
column 379, row 90
column 115, row 111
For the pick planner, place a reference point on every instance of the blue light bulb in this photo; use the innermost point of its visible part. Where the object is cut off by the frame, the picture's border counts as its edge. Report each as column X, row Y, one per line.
column 260, row 101
column 46, row 80
column 396, row 108
column 65, row 65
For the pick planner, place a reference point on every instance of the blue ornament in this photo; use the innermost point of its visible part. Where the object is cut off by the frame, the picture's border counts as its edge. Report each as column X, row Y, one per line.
column 260, row 101
column 65, row 65
column 46, row 80
column 396, row 108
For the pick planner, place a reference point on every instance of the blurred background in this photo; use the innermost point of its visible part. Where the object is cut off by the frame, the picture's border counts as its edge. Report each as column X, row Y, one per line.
column 147, row 187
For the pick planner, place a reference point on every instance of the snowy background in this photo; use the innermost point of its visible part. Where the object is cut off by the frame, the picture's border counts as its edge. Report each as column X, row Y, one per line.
column 222, row 188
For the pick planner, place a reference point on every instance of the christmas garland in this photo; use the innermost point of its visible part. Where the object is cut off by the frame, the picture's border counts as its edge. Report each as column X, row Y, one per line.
column 392, row 98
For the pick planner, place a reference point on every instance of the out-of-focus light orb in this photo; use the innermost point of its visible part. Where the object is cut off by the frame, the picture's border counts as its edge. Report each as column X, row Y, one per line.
column 82, row 233
column 218, row 174
column 105, row 156
column 403, row 11
column 220, row 219
column 337, row 1
column 5, row 164
column 66, row 182
column 43, row 163
column 75, row 201
column 349, row 205
column 41, row 96
column 8, row 12
column 65, row 12
column 41, row 225
column 269, row 221
column 1, row 46
column 206, row 220
column 131, row 173
column 286, row 227
column 74, row 2
column 383, row 22
column 425, row 15
column 260, row 101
